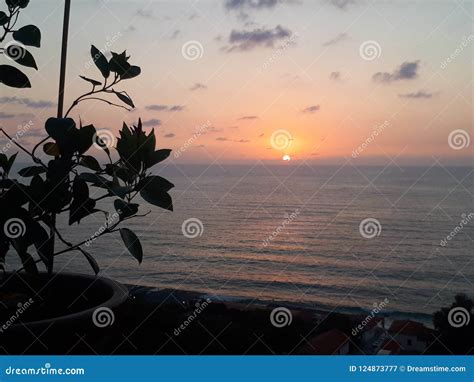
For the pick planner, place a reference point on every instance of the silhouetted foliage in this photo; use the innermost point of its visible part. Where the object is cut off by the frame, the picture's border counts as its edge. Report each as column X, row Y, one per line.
column 29, row 206
column 28, row 35
column 455, row 325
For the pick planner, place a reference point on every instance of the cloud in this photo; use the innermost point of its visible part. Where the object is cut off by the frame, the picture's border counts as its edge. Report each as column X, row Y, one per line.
column 311, row 109
column 214, row 129
column 243, row 141
column 6, row 115
column 248, row 117
column 406, row 71
column 169, row 135
column 250, row 4
column 152, row 122
column 145, row 13
column 339, row 38
column 335, row 76
column 165, row 107
column 341, row 4
column 222, row 139
column 261, row 37
column 198, row 86
column 176, row 108
column 261, row 135
column 233, row 127
column 41, row 104
column 418, row 94
column 156, row 107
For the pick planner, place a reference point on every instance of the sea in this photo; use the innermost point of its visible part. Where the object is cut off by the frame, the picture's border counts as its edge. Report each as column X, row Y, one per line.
column 330, row 238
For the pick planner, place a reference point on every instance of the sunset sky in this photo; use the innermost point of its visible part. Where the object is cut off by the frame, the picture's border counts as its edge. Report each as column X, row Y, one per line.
column 228, row 74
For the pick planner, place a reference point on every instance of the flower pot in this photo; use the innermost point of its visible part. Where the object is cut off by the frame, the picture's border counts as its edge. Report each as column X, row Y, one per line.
column 62, row 313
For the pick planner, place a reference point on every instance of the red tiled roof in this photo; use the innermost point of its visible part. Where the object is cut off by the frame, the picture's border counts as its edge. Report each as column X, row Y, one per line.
column 411, row 328
column 327, row 343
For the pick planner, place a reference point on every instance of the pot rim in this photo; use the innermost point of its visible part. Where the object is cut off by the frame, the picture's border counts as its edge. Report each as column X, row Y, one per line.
column 119, row 296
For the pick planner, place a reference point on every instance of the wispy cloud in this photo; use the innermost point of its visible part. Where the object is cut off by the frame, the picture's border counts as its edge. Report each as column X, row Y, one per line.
column 198, row 86
column 406, row 71
column 222, row 139
column 169, row 135
column 311, row 109
column 341, row 4
column 243, row 141
column 41, row 104
column 418, row 94
column 165, row 107
column 152, row 122
column 145, row 13
column 6, row 115
column 250, row 4
column 248, row 117
column 339, row 38
column 261, row 37
column 335, row 76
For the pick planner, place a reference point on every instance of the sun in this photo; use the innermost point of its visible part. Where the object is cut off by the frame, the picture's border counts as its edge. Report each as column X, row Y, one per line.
column 286, row 158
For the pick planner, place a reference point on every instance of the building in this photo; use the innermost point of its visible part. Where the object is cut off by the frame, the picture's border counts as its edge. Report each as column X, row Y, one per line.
column 332, row 342
column 411, row 336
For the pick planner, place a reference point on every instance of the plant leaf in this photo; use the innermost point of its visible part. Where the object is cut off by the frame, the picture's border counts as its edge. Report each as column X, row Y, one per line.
column 131, row 72
column 158, row 198
column 3, row 18
column 91, row 260
column 13, row 77
column 20, row 55
column 125, row 99
column 125, row 209
column 28, row 35
column 10, row 162
column 90, row 162
column 157, row 157
column 31, row 171
column 155, row 182
column 51, row 148
column 132, row 243
column 100, row 61
column 93, row 82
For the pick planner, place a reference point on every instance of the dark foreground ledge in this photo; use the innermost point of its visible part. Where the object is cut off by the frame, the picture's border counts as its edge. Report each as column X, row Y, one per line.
column 172, row 322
